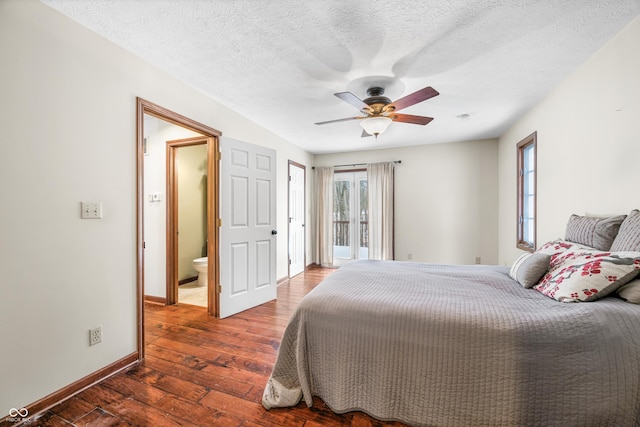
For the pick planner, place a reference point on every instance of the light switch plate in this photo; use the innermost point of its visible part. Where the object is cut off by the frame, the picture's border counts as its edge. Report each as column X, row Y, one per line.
column 91, row 210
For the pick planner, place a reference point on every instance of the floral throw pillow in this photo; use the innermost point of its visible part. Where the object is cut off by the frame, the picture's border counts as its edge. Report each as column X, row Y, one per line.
column 556, row 248
column 588, row 275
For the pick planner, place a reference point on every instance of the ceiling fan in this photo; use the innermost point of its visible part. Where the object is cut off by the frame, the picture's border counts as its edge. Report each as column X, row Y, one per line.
column 380, row 111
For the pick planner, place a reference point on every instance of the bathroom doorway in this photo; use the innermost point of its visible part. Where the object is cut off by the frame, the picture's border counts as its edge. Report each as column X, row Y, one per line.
column 187, row 252
column 150, row 241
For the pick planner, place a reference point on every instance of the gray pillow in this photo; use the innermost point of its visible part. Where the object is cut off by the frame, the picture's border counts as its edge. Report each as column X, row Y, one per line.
column 598, row 233
column 628, row 238
column 529, row 268
column 630, row 291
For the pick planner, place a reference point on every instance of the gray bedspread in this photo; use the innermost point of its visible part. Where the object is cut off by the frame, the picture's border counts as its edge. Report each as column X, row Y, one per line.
column 436, row 345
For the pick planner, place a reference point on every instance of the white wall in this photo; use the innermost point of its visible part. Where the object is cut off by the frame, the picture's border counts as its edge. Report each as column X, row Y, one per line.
column 445, row 199
column 67, row 115
column 588, row 138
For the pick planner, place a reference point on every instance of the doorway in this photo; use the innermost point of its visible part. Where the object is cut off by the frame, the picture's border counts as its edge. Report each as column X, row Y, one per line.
column 297, row 241
column 350, row 216
column 146, row 108
column 187, row 185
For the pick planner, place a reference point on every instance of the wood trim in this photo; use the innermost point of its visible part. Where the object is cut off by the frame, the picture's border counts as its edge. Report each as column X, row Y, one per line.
column 146, row 107
column 74, row 388
column 156, row 300
column 171, row 226
column 213, row 230
column 177, row 119
column 140, row 244
column 529, row 140
column 187, row 280
column 300, row 165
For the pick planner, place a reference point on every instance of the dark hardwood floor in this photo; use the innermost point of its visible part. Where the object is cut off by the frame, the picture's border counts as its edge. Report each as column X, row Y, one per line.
column 201, row 371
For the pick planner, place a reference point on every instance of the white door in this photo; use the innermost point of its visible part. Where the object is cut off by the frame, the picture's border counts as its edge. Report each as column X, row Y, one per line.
column 247, row 234
column 296, row 219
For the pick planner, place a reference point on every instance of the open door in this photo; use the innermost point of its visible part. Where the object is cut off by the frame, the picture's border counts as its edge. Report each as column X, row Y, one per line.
column 297, row 214
column 247, row 233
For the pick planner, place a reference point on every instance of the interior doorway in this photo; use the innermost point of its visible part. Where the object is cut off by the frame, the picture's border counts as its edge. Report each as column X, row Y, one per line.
column 187, row 252
column 143, row 109
column 297, row 234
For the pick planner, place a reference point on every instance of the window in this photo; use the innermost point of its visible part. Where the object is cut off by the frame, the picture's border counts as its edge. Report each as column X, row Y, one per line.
column 350, row 216
column 527, row 193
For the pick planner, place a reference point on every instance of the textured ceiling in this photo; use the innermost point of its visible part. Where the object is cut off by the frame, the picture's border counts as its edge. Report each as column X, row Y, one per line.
column 279, row 62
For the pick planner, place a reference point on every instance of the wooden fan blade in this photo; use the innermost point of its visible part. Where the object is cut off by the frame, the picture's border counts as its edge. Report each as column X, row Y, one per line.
column 350, row 98
column 339, row 120
column 413, row 98
column 409, row 118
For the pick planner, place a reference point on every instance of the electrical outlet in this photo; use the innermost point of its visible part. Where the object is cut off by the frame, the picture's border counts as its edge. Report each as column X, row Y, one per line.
column 95, row 335
column 409, row 256
column 478, row 260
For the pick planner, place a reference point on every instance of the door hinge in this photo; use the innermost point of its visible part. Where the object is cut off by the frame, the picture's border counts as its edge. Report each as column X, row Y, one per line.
column 219, row 222
column 218, row 155
column 219, row 288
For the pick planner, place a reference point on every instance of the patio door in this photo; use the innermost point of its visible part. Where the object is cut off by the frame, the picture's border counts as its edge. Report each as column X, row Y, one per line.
column 350, row 216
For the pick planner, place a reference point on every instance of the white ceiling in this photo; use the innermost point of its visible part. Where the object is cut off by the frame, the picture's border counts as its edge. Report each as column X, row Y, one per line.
column 279, row 62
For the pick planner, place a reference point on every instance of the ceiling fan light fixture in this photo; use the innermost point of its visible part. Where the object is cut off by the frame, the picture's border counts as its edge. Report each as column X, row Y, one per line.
column 375, row 125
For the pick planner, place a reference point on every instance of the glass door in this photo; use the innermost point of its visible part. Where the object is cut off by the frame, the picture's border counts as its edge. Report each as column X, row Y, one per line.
column 350, row 216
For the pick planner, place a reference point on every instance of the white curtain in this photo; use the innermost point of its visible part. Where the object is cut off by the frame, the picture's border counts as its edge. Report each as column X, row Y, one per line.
column 324, row 216
column 380, row 183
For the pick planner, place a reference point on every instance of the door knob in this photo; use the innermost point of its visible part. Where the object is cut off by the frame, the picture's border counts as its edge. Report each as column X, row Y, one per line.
column 274, row 232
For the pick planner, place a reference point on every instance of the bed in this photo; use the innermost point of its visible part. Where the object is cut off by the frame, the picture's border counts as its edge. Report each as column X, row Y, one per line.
column 440, row 345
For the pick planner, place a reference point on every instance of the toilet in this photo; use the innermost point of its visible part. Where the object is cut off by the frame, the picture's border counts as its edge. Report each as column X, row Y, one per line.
column 200, row 265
